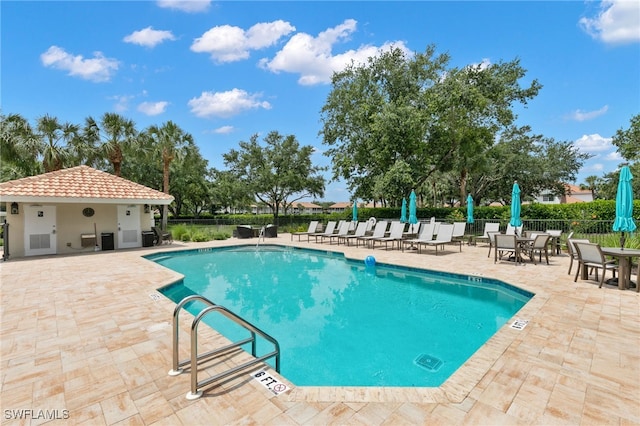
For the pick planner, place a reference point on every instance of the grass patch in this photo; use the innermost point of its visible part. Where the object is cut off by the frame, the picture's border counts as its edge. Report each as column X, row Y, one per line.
column 199, row 233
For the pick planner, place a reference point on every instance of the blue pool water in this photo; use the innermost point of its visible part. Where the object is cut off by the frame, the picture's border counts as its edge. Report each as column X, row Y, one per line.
column 342, row 323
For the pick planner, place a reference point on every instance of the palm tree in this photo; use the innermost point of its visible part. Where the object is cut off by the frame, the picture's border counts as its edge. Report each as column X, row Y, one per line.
column 54, row 139
column 18, row 148
column 113, row 134
column 170, row 140
column 591, row 183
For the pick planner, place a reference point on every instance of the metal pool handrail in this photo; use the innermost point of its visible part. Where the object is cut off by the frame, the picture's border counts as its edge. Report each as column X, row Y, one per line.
column 195, row 359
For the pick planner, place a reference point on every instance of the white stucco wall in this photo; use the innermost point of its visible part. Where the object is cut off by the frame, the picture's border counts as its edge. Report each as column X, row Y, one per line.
column 71, row 224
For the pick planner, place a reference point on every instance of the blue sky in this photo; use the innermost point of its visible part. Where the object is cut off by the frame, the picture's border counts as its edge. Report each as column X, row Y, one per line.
column 224, row 71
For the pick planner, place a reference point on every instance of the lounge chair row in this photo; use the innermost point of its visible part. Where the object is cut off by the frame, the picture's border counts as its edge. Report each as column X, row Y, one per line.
column 390, row 234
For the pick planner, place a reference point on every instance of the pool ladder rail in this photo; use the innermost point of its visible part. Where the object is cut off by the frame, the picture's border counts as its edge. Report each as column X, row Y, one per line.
column 195, row 359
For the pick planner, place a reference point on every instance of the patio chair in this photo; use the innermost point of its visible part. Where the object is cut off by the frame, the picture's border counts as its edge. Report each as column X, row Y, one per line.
column 395, row 235
column 590, row 256
column 343, row 230
column 539, row 245
column 489, row 227
column 514, row 230
column 361, row 231
column 555, row 235
column 492, row 240
column 270, row 231
column 162, row 236
column 312, row 229
column 244, row 231
column 565, row 243
column 573, row 253
column 378, row 231
column 506, row 244
column 444, row 236
column 331, row 227
column 426, row 234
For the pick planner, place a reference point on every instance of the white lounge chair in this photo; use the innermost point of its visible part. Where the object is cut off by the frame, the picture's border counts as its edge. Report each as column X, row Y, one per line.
column 361, row 231
column 459, row 229
column 343, row 230
column 395, row 235
column 378, row 231
column 331, row 227
column 514, row 230
column 489, row 227
column 312, row 229
column 444, row 236
column 426, row 234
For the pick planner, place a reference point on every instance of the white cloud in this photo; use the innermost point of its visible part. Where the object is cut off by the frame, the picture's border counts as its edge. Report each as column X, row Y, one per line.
column 226, row 43
column 148, row 37
column 190, row 6
column 122, row 102
column 153, row 108
column 595, row 167
column 226, row 104
column 97, row 69
column 593, row 143
column 613, row 156
column 312, row 57
column 224, row 130
column 617, row 22
column 579, row 115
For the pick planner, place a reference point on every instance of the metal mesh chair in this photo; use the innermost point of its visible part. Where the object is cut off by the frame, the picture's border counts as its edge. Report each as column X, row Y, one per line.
column 591, row 256
column 506, row 244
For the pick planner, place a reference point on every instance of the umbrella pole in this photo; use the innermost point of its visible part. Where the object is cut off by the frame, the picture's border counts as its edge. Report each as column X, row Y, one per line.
column 622, row 240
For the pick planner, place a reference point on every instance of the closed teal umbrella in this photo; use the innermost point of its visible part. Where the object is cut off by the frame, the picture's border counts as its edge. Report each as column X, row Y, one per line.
column 413, row 215
column 624, row 205
column 403, row 212
column 354, row 214
column 469, row 209
column 515, row 206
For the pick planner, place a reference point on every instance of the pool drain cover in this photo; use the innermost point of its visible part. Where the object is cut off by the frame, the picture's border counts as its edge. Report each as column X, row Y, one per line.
column 428, row 362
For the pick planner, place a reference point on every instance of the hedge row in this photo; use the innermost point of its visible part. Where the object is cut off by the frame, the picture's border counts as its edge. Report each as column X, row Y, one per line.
column 595, row 210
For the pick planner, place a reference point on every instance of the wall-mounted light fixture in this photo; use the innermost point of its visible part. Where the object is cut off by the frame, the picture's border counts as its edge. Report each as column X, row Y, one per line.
column 14, row 208
column 147, row 208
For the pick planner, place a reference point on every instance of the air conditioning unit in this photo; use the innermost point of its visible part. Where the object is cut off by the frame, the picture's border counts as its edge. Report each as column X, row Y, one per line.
column 88, row 240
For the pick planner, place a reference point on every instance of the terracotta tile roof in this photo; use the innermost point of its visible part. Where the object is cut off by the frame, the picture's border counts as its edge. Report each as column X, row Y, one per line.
column 307, row 205
column 82, row 182
column 341, row 205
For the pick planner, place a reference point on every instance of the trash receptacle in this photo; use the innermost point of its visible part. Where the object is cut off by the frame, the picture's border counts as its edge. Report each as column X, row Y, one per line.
column 107, row 241
column 147, row 238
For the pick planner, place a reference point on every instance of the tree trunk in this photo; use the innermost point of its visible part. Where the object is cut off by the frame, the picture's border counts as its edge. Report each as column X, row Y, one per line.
column 463, row 187
column 165, row 187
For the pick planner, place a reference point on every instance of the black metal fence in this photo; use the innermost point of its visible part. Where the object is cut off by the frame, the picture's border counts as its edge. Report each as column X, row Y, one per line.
column 598, row 231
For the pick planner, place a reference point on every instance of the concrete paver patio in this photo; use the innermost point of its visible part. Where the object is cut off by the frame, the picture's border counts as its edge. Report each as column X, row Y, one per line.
column 85, row 339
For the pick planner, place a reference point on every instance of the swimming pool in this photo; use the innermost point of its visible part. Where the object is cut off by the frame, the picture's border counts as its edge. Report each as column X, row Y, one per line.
column 342, row 323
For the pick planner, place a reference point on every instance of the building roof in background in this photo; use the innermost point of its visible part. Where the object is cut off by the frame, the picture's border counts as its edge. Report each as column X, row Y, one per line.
column 341, row 205
column 306, row 205
column 80, row 184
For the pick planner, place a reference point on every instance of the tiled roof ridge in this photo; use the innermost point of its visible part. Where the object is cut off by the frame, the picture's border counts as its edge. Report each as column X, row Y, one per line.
column 80, row 182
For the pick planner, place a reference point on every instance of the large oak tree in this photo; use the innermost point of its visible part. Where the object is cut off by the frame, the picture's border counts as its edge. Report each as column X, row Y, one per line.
column 278, row 173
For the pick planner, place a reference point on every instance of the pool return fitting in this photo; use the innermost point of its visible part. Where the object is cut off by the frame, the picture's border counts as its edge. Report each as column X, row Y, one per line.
column 195, row 359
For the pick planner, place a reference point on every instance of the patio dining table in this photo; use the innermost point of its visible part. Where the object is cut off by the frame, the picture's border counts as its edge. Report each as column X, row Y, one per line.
column 624, row 257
